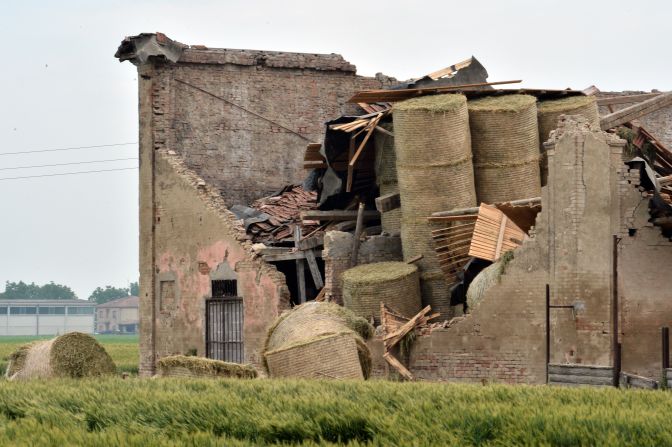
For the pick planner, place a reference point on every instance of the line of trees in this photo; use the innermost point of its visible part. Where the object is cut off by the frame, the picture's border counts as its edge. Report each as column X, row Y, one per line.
column 52, row 291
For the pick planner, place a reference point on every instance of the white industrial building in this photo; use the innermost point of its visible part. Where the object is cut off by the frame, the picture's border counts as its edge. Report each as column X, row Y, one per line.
column 46, row 317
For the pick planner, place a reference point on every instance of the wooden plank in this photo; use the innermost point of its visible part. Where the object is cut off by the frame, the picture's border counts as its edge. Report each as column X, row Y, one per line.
column 288, row 256
column 452, row 218
column 580, row 370
column 394, row 338
column 300, row 267
column 388, row 202
column 358, row 234
column 396, row 364
column 338, row 215
column 628, row 380
column 500, row 238
column 450, row 70
column 628, row 99
column 636, row 111
column 314, row 269
column 311, row 242
column 583, row 380
column 474, row 210
column 401, row 94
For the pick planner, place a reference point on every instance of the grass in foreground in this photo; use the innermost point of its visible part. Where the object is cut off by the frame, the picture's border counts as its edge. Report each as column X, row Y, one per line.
column 244, row 413
column 122, row 348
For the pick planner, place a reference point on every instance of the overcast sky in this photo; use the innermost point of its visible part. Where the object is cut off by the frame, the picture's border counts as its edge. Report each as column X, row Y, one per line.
column 61, row 87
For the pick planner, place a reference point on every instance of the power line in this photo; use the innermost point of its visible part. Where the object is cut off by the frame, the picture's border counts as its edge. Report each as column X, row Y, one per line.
column 68, row 173
column 67, row 148
column 66, row 164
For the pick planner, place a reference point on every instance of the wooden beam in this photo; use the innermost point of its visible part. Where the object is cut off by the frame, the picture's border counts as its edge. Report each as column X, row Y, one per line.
column 300, row 267
column 401, row 94
column 629, row 99
column 288, row 256
column 338, row 215
column 415, row 259
column 474, row 210
column 358, row 234
column 314, row 269
column 388, row 202
column 384, row 131
column 311, row 242
column 396, row 364
column 636, row 111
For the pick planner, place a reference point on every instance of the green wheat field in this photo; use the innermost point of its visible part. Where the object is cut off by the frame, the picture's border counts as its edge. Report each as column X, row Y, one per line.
column 176, row 412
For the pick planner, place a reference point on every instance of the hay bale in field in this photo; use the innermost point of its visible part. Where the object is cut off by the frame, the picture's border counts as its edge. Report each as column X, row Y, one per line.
column 386, row 177
column 189, row 366
column 434, row 170
column 72, row 355
column 505, row 143
column 318, row 340
column 396, row 284
column 549, row 112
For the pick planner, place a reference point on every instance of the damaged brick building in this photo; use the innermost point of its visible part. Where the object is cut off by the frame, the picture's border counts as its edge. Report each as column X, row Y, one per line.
column 220, row 129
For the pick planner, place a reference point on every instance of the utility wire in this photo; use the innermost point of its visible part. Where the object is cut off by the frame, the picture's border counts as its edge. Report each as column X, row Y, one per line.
column 67, row 148
column 68, row 173
column 67, row 164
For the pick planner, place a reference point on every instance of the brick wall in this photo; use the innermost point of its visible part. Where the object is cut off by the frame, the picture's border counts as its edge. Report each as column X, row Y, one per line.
column 213, row 107
column 645, row 295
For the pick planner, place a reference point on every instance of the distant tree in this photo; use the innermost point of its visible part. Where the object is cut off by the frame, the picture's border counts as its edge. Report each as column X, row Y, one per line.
column 22, row 291
column 135, row 289
column 109, row 293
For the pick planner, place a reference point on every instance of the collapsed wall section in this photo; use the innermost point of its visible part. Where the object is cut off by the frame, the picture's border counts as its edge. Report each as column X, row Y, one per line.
column 645, row 297
column 241, row 119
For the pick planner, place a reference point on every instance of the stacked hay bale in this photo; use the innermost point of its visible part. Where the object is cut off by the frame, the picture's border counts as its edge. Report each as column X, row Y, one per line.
column 549, row 112
column 433, row 149
column 487, row 278
column 505, row 143
column 396, row 284
column 318, row 340
column 72, row 355
column 386, row 177
column 189, row 366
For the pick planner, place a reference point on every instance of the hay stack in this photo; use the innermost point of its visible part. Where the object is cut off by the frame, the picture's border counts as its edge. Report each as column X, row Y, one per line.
column 386, row 177
column 318, row 340
column 71, row 355
column 433, row 149
column 188, row 366
column 396, row 284
column 549, row 112
column 487, row 278
column 505, row 142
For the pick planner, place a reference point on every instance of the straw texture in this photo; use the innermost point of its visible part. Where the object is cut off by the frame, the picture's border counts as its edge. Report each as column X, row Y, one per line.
column 549, row 112
column 396, row 284
column 72, row 355
column 188, row 366
column 505, row 143
column 433, row 149
column 297, row 330
column 386, row 177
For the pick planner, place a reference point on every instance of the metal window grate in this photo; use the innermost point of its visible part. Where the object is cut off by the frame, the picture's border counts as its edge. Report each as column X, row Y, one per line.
column 224, row 328
column 224, row 287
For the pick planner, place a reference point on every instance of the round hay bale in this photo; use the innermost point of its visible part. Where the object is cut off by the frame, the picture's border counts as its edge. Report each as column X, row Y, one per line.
column 386, row 177
column 73, row 355
column 549, row 112
column 396, row 284
column 305, row 328
column 190, row 366
column 434, row 171
column 487, row 278
column 505, row 143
